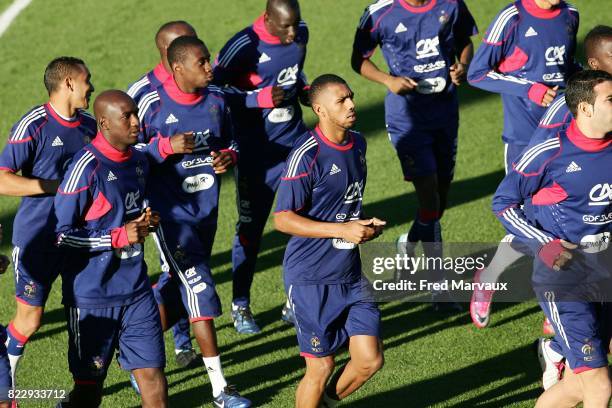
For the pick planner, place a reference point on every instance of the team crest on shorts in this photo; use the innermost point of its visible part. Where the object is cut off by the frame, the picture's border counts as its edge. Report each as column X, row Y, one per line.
column 587, row 350
column 315, row 343
column 97, row 364
column 30, row 290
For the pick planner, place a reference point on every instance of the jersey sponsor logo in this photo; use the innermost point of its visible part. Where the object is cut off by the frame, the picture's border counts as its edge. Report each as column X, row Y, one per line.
column 431, row 85
column 288, row 76
column 281, row 115
column 334, row 170
column 57, row 142
column 598, row 219
column 341, row 216
column 198, row 182
column 601, row 194
column 111, row 176
column 354, row 192
column 531, row 32
column 264, row 58
column 573, row 167
column 189, row 273
column 401, row 28
column 171, row 119
column 201, row 140
column 131, row 202
column 128, row 251
column 554, row 77
column 555, row 55
column 592, row 244
column 427, row 47
column 197, row 162
column 432, row 66
column 340, row 243
column 200, row 287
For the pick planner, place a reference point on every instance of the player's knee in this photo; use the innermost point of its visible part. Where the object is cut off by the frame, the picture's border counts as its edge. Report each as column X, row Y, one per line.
column 28, row 321
column 598, row 386
column 370, row 365
column 321, row 368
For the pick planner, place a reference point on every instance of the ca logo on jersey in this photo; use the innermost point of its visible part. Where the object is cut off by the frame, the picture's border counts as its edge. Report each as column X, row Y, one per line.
column 131, row 202
column 354, row 192
column 288, row 76
column 201, row 140
column 427, row 47
column 555, row 55
column 601, row 194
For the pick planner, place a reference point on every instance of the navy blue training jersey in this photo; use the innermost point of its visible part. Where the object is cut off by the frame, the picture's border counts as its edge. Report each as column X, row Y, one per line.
column 185, row 188
column 524, row 48
column 323, row 181
column 249, row 64
column 41, row 145
column 148, row 82
column 421, row 43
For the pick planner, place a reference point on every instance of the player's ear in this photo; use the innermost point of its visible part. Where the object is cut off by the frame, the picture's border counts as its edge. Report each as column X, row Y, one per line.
column 102, row 123
column 593, row 63
column 69, row 83
column 586, row 109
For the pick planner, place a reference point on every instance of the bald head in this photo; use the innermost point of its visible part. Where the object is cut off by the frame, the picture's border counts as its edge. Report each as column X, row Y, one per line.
column 598, row 48
column 282, row 19
column 170, row 31
column 117, row 118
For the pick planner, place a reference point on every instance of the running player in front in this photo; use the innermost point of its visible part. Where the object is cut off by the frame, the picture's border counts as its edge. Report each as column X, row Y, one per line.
column 40, row 146
column 570, row 234
column 5, row 367
column 427, row 46
column 320, row 206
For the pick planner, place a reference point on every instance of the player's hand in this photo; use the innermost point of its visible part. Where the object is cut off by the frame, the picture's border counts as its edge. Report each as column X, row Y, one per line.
column 278, row 96
column 401, row 85
column 549, row 96
column 557, row 254
column 458, row 73
column 154, row 219
column 138, row 229
column 358, row 231
column 222, row 161
column 565, row 256
column 4, row 263
column 183, row 142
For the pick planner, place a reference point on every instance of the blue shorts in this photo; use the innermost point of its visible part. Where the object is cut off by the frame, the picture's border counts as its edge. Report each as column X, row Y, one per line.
column 94, row 335
column 5, row 368
column 188, row 288
column 326, row 316
column 582, row 332
column 35, row 272
column 422, row 151
column 512, row 152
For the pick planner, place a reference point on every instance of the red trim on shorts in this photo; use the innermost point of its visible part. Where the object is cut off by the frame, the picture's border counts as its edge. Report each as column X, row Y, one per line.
column 582, row 369
column 308, row 355
column 23, row 301
column 14, row 333
column 200, row 319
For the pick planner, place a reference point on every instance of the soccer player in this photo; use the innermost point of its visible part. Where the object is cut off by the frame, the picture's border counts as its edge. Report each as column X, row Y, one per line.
column 526, row 56
column 101, row 224
column 186, row 192
column 598, row 48
column 427, row 47
column 5, row 366
column 320, row 205
column 262, row 68
column 570, row 233
column 40, row 146
column 185, row 355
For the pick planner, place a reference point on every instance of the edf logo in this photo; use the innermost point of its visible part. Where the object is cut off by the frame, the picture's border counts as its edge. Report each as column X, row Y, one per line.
column 288, row 76
column 555, row 55
column 427, row 47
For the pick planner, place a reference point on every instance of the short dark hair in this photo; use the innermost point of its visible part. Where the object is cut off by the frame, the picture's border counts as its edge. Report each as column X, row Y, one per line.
column 58, row 70
column 595, row 37
column 580, row 88
column 322, row 82
column 179, row 48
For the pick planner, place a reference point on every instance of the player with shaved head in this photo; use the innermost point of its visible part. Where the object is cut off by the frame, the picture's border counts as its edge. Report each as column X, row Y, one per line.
column 320, row 205
column 262, row 69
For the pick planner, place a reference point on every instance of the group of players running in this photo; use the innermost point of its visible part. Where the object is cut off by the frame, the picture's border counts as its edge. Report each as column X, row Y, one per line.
column 150, row 162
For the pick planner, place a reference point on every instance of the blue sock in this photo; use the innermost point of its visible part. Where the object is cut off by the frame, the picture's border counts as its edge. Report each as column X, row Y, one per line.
column 15, row 343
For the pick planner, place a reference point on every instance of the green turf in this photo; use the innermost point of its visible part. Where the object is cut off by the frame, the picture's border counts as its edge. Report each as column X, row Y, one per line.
column 429, row 361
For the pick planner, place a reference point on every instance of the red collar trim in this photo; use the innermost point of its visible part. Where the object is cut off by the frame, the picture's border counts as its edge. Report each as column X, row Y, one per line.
column 421, row 9
column 109, row 151
column 259, row 26
column 160, row 73
column 586, row 143
column 179, row 96
column 333, row 145
column 58, row 118
column 533, row 9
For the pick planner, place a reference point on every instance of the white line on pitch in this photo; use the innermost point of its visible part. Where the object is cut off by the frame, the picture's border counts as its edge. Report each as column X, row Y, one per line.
column 11, row 13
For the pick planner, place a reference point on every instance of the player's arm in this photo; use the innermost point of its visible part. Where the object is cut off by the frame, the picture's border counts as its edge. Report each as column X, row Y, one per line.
column 161, row 147
column 226, row 157
column 497, row 58
column 20, row 150
column 523, row 182
column 464, row 27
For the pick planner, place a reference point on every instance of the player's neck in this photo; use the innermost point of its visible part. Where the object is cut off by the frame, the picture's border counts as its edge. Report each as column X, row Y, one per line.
column 415, row 3
column 589, row 129
column 106, row 145
column 184, row 87
column 333, row 133
column 543, row 4
column 62, row 107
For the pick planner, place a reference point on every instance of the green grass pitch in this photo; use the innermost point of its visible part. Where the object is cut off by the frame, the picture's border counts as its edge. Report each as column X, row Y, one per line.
column 430, row 361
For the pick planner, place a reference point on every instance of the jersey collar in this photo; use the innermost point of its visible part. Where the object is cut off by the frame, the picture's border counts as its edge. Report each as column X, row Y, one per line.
column 421, row 9
column 533, row 9
column 585, row 143
column 333, row 145
column 179, row 96
column 109, row 151
column 66, row 123
column 259, row 27
column 160, row 73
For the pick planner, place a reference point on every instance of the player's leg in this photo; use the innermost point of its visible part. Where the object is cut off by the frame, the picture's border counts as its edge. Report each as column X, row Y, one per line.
column 141, row 349
column 92, row 336
column 5, row 372
column 310, row 390
column 35, row 272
